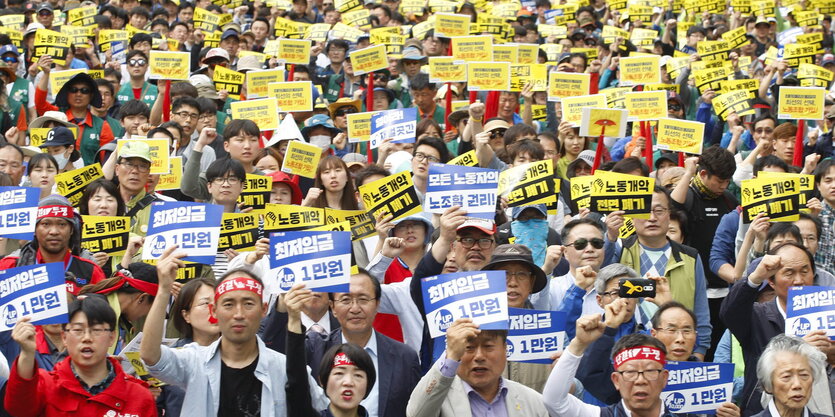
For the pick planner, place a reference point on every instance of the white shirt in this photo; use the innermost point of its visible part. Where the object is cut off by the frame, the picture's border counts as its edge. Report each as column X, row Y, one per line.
column 325, row 322
column 372, row 402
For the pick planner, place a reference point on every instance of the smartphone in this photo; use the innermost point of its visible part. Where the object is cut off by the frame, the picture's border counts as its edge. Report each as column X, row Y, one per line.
column 636, row 288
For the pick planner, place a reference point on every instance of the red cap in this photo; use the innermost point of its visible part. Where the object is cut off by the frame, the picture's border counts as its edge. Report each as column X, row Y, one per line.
column 291, row 181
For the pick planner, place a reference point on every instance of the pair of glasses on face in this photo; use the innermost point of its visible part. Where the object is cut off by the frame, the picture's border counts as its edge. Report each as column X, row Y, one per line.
column 420, row 157
column 344, row 111
column 82, row 90
column 582, row 242
column 10, row 59
column 674, row 107
column 137, row 62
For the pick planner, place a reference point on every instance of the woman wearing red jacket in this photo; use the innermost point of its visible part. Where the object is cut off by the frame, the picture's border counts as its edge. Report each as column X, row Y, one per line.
column 87, row 382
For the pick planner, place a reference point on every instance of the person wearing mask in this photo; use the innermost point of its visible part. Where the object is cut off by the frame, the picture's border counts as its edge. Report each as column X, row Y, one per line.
column 60, row 144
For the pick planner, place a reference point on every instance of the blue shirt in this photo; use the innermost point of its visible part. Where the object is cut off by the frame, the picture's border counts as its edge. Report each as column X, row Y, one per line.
column 478, row 405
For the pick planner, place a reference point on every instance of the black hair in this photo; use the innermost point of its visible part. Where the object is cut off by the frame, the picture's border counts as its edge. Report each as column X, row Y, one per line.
column 550, row 136
column 139, row 37
column 577, row 222
column 769, row 161
column 581, row 55
column 764, row 116
column 157, row 22
column 630, row 164
column 718, row 161
column 95, row 308
column 681, row 217
column 206, row 105
column 656, row 318
column 184, row 301
column 36, row 160
column 301, row 69
column 781, row 229
column 357, row 355
column 386, row 10
column 635, row 340
column 516, row 131
column 221, row 166
column 262, row 20
column 184, row 101
column 173, row 125
column 439, row 146
column 337, row 43
column 185, row 5
column 134, row 107
column 140, row 10
column 809, row 256
column 421, row 81
column 101, row 82
column 177, row 23
column 239, row 126
column 91, row 189
column 661, row 190
column 162, row 130
column 807, row 216
column 138, row 270
column 368, row 171
column 530, row 147
column 822, row 169
column 110, row 71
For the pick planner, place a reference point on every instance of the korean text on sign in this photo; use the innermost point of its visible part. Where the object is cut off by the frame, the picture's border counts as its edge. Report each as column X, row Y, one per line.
column 320, row 260
column 473, row 189
column 398, row 125
column 36, row 291
column 480, row 295
column 697, row 387
column 105, row 234
column 621, row 192
column 810, row 308
column 18, row 210
column 778, row 197
column 533, row 335
column 395, row 195
column 194, row 227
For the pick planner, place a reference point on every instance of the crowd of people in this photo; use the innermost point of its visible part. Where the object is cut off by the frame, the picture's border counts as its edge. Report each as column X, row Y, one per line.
column 224, row 342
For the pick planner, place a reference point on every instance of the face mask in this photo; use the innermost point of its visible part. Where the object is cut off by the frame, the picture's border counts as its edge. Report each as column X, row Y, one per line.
column 62, row 160
column 532, row 233
column 322, row 141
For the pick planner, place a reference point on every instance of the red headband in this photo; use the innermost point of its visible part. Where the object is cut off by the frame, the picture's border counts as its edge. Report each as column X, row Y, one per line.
column 144, row 286
column 55, row 211
column 341, row 359
column 639, row 352
column 239, row 284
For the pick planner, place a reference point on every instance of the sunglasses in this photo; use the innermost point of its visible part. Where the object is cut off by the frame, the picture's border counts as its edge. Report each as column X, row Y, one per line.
column 582, row 242
column 344, row 111
column 137, row 62
column 82, row 90
column 10, row 59
column 674, row 107
column 44, row 13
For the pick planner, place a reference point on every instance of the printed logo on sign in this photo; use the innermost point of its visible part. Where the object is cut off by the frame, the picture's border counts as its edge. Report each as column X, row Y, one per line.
column 510, row 348
column 286, row 277
column 444, row 319
column 158, row 245
column 675, row 401
column 801, row 327
column 10, row 313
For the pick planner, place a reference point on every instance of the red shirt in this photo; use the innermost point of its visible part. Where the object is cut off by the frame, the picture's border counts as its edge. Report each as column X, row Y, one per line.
column 389, row 324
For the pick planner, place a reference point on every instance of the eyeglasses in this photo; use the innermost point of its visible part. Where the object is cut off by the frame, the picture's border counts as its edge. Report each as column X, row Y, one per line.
column 649, row 374
column 207, row 116
column 12, row 165
column 10, row 59
column 420, row 156
column 611, row 294
column 137, row 62
column 497, row 133
column 228, row 180
column 673, row 107
column 766, row 130
column 142, row 168
column 344, row 110
column 518, row 275
column 82, row 90
column 469, row 242
column 685, row 331
column 348, row 301
column 187, row 115
column 660, row 211
column 80, row 331
column 582, row 242
column 44, row 13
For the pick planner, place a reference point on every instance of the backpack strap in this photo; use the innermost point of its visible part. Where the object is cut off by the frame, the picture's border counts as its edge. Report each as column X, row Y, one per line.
column 141, row 204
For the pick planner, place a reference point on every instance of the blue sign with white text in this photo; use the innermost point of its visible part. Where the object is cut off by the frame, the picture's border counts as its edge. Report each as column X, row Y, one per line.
column 479, row 295
column 534, row 335
column 319, row 259
column 697, row 387
column 810, row 308
column 195, row 227
column 18, row 212
column 37, row 291
column 473, row 189
column 398, row 125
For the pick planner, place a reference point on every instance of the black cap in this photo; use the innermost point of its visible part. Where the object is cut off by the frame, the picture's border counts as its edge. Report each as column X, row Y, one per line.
column 59, row 136
column 518, row 253
column 666, row 156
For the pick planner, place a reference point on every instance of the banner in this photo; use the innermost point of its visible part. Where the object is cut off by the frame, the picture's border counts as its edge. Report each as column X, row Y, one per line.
column 301, row 158
column 195, row 227
column 528, row 184
column 473, row 189
column 287, row 217
column 256, row 191
column 778, row 197
column 680, row 136
column 488, row 76
column 169, row 65
column 800, row 103
column 646, row 105
column 229, row 80
column 810, row 308
column 320, row 260
column 264, row 112
column 18, row 212
column 473, row 48
column 612, row 192
column 448, row 25
column 395, row 195
column 257, row 82
column 172, row 180
column 105, row 234
column 369, row 59
column 238, row 231
column 640, row 70
column 358, row 220
column 446, row 69
column 567, row 84
column 35, row 291
column 534, row 335
column 697, row 387
column 398, row 125
column 479, row 295
column 71, row 184
column 293, row 96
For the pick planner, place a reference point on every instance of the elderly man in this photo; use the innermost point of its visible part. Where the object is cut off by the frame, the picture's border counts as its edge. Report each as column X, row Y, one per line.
column 639, row 373
column 788, row 368
column 754, row 324
column 467, row 379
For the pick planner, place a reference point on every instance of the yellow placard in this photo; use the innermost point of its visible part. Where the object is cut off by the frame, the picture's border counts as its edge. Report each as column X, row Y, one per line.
column 301, row 158
column 72, row 184
column 612, row 192
column 317, row 32
column 105, row 234
column 229, row 80
column 360, row 223
column 639, row 70
column 107, row 36
column 572, row 107
column 57, row 79
column 598, row 122
column 359, row 127
column 238, row 231
column 264, row 112
column 78, row 35
column 473, row 48
column 713, row 50
column 778, row 197
column 13, row 21
column 449, row 25
column 360, row 18
column 680, row 136
column 488, row 76
column 506, row 53
column 814, row 76
column 369, row 59
column 256, row 191
column 528, row 184
column 807, row 185
column 37, row 136
column 533, row 74
column 395, row 195
column 738, row 101
column 801, row 103
column 295, row 51
column 567, row 84
column 581, row 190
column 206, row 20
column 160, row 149
column 288, row 217
column 646, row 105
column 467, row 159
column 445, row 69
column 82, row 16
column 257, row 82
column 165, row 65
column 590, row 53
column 293, row 96
column 750, row 85
column 797, row 53
column 172, row 180
column 52, row 43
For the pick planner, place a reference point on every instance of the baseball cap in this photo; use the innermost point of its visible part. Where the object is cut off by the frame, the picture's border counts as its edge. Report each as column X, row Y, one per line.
column 44, row 6
column 587, row 156
column 354, row 158
column 9, row 49
column 58, row 136
column 228, row 33
column 516, row 211
column 136, row 149
column 827, row 59
column 486, row 226
column 217, row 53
column 284, row 178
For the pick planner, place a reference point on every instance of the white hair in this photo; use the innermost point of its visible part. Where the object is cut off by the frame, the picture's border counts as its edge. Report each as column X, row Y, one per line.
column 788, row 344
column 611, row 272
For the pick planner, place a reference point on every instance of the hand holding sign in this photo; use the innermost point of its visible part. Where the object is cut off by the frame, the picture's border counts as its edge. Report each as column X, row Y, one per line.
column 728, row 409
column 294, row 300
column 458, row 335
column 818, row 339
column 24, row 334
column 167, row 267
column 262, row 247
column 450, row 220
column 614, row 221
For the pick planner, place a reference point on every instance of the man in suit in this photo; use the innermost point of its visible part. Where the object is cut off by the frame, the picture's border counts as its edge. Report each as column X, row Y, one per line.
column 316, row 318
column 753, row 323
column 467, row 379
column 398, row 368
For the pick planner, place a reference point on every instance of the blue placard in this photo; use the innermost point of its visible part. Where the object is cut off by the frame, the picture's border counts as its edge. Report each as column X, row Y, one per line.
column 697, row 387
column 18, row 212
column 320, row 260
column 398, row 125
column 810, row 308
column 119, row 51
column 195, row 227
column 37, row 291
column 479, row 295
column 473, row 189
column 534, row 335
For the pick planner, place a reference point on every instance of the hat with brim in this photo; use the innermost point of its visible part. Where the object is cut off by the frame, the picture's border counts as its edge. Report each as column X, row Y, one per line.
column 319, row 120
column 518, row 253
column 50, row 116
column 496, row 124
column 136, row 149
column 30, row 151
column 459, row 115
column 344, row 102
column 283, row 178
column 484, row 225
column 59, row 136
column 671, row 157
column 419, row 217
column 380, row 90
column 249, row 63
column 80, row 78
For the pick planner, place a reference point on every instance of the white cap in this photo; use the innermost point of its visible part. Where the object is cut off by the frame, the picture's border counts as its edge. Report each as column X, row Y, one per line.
column 287, row 130
column 217, row 52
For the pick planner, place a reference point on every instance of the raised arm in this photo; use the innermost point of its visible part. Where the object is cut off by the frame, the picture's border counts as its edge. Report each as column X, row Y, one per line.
column 167, row 266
